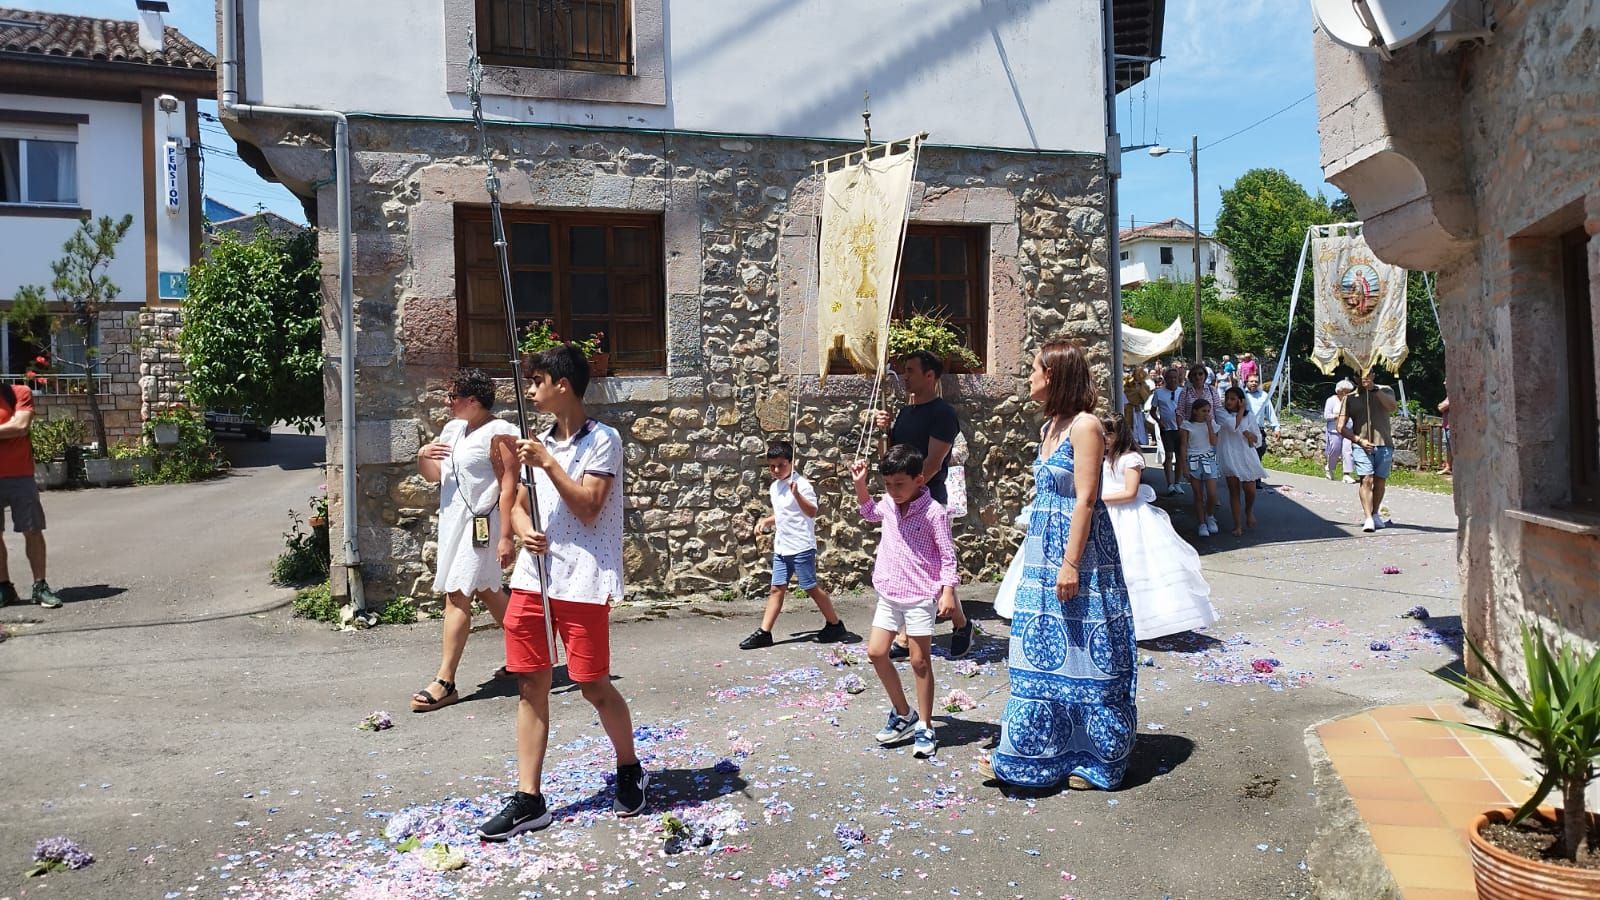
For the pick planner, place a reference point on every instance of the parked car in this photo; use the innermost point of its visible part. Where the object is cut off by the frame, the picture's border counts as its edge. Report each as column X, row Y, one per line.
column 231, row 421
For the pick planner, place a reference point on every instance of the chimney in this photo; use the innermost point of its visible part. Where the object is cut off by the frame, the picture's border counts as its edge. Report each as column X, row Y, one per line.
column 152, row 31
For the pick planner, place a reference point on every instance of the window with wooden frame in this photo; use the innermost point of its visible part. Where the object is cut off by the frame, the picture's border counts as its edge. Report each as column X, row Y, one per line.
column 943, row 274
column 1584, row 452
column 583, row 35
column 588, row 273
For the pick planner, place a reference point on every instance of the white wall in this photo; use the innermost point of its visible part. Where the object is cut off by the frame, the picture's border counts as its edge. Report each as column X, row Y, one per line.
column 172, row 229
column 1144, row 261
column 110, row 182
column 1005, row 73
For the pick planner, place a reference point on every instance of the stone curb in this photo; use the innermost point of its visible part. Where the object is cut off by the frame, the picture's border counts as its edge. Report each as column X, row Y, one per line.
column 1345, row 863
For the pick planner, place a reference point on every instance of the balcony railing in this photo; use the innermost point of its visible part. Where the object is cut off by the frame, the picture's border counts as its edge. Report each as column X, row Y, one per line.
column 53, row 385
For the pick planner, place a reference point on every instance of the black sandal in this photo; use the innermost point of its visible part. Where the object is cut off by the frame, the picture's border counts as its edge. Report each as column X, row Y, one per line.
column 423, row 701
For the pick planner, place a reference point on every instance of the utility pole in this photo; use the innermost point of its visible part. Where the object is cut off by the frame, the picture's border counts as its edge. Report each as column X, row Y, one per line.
column 1194, row 169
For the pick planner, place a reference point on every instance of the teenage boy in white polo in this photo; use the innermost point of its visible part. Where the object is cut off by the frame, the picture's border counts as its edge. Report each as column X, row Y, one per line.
column 577, row 471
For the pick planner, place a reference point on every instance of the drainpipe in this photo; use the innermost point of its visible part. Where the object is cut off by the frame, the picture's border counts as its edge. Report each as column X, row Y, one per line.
column 1113, row 230
column 229, row 62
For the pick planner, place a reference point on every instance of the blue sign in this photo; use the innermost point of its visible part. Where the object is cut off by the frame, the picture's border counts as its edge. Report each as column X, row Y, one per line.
column 173, row 285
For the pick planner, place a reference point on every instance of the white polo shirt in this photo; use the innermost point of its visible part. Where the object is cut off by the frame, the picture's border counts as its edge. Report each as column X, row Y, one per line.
column 585, row 561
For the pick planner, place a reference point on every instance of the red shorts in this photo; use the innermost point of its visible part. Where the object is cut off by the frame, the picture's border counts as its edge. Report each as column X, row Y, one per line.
column 584, row 630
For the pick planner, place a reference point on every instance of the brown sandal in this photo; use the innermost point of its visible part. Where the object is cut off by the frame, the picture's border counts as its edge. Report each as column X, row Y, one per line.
column 425, row 701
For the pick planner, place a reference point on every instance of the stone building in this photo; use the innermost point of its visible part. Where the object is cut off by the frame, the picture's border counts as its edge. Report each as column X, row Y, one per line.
column 1481, row 161
column 655, row 159
column 98, row 118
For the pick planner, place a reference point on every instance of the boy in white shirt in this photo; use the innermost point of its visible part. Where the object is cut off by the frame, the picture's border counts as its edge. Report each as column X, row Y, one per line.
column 577, row 471
column 794, row 548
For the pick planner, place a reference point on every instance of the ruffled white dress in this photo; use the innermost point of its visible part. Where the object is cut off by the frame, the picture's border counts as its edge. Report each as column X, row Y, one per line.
column 1235, row 457
column 1005, row 599
column 467, row 487
column 1168, row 593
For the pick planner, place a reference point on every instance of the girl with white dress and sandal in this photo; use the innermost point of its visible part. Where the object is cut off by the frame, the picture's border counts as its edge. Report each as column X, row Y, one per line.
column 1238, row 434
column 475, row 466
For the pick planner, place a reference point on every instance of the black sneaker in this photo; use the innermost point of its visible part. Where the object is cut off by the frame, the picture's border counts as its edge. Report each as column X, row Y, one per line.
column 832, row 632
column 632, row 779
column 756, row 640
column 898, row 650
column 961, row 640
column 8, row 594
column 522, row 812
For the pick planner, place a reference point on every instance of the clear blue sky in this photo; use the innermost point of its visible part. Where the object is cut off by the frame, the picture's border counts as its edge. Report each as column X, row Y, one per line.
column 1228, row 64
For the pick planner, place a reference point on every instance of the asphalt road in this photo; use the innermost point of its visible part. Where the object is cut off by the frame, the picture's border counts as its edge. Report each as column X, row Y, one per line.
column 205, row 747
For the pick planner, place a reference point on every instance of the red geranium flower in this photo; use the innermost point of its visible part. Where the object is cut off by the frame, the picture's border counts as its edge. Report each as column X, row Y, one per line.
column 41, row 360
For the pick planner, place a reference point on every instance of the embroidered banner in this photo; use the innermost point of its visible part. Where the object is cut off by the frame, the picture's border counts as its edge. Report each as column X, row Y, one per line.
column 1140, row 346
column 1361, row 307
column 863, row 219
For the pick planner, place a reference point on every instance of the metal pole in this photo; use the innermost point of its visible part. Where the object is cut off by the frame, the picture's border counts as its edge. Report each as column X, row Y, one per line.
column 1113, row 235
column 1194, row 169
column 491, row 183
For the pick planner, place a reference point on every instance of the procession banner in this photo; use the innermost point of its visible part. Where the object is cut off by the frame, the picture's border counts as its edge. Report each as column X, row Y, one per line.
column 1140, row 346
column 1361, row 306
column 863, row 220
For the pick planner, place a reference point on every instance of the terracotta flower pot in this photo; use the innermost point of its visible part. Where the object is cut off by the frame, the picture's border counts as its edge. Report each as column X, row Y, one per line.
column 600, row 364
column 1501, row 875
column 318, row 521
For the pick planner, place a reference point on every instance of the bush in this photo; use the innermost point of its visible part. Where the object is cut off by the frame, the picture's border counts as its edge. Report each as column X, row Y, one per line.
column 317, row 603
column 932, row 334
column 196, row 455
column 51, row 438
column 399, row 611
column 306, row 555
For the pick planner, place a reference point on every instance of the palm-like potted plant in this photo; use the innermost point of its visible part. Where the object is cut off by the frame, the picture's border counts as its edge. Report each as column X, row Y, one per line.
column 933, row 334
column 1557, row 720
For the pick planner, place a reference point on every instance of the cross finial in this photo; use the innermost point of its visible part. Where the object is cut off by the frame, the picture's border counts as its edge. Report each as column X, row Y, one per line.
column 866, row 117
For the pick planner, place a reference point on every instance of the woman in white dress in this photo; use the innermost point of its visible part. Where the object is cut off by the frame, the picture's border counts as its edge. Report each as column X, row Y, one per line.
column 1238, row 433
column 1168, row 592
column 477, row 478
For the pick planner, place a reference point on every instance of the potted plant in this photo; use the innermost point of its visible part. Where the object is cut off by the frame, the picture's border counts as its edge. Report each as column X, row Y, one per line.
column 164, row 426
column 319, row 509
column 52, row 440
column 541, row 336
column 933, row 334
column 1557, row 720
column 123, row 465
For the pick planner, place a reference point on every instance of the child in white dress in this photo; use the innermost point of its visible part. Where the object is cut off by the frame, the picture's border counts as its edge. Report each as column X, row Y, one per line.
column 1238, row 434
column 1197, row 455
column 1168, row 593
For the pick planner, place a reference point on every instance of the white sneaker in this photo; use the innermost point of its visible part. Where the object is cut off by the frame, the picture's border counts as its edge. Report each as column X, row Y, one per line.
column 1328, row 473
column 1381, row 522
column 1367, row 525
column 1348, row 480
column 1204, row 531
column 1211, row 523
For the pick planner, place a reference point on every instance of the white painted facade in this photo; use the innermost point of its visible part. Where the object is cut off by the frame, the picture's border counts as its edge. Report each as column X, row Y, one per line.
column 1014, row 74
column 1142, row 261
column 110, row 182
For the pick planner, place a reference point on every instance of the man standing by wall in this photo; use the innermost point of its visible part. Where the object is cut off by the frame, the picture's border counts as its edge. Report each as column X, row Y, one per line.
column 1164, row 404
column 20, row 493
column 929, row 424
column 1366, row 422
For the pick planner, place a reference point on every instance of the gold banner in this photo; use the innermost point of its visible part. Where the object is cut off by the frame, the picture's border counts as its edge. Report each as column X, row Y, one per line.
column 1361, row 307
column 863, row 219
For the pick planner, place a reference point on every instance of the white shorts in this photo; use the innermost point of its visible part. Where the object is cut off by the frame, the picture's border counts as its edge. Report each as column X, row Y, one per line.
column 917, row 620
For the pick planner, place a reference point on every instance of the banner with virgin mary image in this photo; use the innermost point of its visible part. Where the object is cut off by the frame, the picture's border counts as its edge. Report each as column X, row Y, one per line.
column 1361, row 306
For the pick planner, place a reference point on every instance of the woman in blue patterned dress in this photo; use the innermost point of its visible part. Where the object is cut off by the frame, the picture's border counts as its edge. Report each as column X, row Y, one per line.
column 1071, row 712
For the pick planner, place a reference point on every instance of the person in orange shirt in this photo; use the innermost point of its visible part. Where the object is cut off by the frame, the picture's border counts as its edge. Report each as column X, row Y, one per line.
column 20, row 492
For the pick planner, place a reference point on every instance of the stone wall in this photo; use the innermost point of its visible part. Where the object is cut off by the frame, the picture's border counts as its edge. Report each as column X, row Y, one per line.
column 162, row 377
column 1484, row 198
column 739, row 224
column 1302, row 438
column 138, row 349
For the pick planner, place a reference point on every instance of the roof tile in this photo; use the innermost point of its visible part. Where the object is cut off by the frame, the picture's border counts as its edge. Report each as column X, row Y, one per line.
column 106, row 40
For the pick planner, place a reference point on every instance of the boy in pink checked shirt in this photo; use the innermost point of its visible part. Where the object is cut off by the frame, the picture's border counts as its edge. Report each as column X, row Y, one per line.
column 914, row 574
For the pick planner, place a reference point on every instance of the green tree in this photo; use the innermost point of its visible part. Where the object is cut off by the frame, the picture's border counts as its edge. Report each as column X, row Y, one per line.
column 1263, row 222
column 82, row 286
column 252, row 328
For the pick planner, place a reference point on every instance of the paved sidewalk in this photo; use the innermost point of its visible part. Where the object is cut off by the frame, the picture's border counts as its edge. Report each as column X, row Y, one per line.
column 1418, row 786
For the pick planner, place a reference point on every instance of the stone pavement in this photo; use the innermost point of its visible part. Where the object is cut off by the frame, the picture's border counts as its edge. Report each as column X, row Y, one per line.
column 222, row 758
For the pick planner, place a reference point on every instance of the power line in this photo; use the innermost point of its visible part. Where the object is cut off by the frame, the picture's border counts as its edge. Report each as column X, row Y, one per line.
column 1260, row 121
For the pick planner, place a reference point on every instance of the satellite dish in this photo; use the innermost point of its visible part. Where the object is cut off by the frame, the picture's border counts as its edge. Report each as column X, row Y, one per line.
column 1378, row 25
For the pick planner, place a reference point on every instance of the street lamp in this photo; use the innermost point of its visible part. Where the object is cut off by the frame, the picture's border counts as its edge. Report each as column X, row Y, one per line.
column 1194, row 168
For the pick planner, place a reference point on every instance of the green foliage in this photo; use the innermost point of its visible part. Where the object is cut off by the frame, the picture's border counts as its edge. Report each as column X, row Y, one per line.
column 1154, row 304
column 306, row 554
column 541, row 336
column 399, row 611
column 252, row 328
column 52, row 437
column 930, row 333
column 1557, row 720
column 1401, row 477
column 317, row 604
column 81, row 284
column 196, row 456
